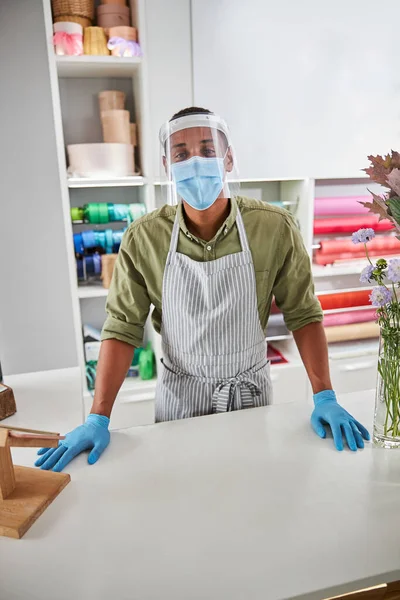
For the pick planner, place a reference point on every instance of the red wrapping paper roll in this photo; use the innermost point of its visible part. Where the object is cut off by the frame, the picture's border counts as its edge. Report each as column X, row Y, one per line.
column 350, row 224
column 344, row 299
column 346, row 318
column 334, row 250
column 383, row 244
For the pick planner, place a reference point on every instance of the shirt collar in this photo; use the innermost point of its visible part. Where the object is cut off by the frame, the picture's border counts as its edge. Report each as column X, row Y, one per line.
column 224, row 229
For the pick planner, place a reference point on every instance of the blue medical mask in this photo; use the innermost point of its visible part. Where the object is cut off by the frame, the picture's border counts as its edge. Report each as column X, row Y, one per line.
column 199, row 180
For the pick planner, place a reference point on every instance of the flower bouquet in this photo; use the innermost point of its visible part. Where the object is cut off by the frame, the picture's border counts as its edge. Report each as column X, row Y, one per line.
column 385, row 274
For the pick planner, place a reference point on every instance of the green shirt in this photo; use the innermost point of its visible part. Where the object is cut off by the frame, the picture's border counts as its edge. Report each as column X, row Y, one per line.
column 281, row 263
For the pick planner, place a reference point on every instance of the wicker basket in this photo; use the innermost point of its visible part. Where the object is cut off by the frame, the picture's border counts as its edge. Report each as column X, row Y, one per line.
column 80, row 8
column 83, row 21
column 95, row 42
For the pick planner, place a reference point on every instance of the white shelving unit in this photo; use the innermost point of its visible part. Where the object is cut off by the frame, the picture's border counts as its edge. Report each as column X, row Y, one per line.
column 75, row 83
column 97, row 66
column 82, row 182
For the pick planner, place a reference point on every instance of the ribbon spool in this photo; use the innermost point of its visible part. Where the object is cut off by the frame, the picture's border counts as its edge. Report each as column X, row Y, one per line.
column 78, row 243
column 77, row 213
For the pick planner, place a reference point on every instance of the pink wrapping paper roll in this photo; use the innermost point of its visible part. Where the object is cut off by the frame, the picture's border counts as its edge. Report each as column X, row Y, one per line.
column 347, row 318
column 348, row 205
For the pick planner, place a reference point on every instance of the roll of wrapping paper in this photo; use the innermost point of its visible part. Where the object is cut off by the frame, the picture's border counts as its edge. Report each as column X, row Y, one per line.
column 347, row 318
column 333, row 250
column 344, row 299
column 383, row 244
column 330, row 259
column 348, row 205
column 349, row 224
column 356, row 331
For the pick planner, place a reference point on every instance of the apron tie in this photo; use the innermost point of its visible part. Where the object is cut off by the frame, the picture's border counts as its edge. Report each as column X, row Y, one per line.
column 235, row 393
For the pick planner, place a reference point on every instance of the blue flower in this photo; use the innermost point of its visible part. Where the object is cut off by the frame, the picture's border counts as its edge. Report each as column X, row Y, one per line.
column 380, row 296
column 366, row 274
column 362, row 236
column 393, row 272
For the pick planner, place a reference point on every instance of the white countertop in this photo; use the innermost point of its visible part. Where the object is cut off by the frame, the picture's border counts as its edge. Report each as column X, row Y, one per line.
column 249, row 505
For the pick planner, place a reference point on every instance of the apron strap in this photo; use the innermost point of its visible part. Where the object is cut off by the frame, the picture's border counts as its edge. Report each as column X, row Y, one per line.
column 174, row 236
column 242, row 232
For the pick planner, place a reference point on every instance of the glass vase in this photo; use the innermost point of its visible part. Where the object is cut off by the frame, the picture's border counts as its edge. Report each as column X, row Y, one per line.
column 387, row 401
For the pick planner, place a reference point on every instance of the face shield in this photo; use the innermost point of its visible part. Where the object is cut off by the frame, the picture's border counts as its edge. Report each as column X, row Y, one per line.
column 198, row 161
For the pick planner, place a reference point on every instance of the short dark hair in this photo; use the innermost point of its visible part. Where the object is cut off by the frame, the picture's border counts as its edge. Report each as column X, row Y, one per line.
column 197, row 110
column 191, row 110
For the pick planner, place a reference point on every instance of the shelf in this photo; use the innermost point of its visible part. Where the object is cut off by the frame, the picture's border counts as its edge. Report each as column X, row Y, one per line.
column 96, row 66
column 86, row 182
column 94, row 291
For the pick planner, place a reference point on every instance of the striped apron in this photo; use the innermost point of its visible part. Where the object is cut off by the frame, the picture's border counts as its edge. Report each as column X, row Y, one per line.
column 213, row 344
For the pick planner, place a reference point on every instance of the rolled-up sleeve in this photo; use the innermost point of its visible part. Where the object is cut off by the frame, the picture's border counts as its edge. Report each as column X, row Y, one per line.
column 128, row 302
column 294, row 286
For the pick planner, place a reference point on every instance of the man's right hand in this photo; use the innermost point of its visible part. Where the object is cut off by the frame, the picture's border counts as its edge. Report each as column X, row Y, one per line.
column 92, row 435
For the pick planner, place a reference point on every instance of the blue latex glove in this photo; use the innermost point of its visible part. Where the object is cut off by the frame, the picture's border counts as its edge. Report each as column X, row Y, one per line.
column 92, row 435
column 327, row 411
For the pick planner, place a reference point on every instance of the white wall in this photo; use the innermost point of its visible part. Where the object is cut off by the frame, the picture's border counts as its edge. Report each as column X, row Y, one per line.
column 308, row 88
column 36, row 322
column 169, row 59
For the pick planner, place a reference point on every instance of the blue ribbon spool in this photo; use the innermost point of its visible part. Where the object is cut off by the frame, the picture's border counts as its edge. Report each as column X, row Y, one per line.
column 89, row 239
column 79, row 268
column 109, row 242
column 89, row 264
column 78, row 243
column 97, row 263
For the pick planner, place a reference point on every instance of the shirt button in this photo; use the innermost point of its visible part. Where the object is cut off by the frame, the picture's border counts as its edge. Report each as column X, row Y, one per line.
column 209, row 248
column 226, row 230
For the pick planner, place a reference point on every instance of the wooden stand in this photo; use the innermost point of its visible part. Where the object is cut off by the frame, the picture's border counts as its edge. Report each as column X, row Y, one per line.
column 7, row 402
column 25, row 492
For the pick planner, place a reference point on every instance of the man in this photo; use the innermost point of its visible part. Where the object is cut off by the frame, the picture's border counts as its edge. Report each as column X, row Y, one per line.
column 210, row 264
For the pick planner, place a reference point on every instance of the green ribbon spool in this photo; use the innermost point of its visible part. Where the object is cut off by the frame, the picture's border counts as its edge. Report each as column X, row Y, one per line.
column 77, row 213
column 96, row 212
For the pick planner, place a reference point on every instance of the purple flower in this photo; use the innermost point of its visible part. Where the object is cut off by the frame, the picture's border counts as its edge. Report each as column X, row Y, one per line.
column 393, row 272
column 366, row 274
column 380, row 296
column 362, row 236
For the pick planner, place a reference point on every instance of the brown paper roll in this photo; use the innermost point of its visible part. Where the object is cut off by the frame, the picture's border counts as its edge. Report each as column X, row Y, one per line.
column 111, row 100
column 115, row 125
column 107, row 268
column 356, row 331
column 132, row 127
